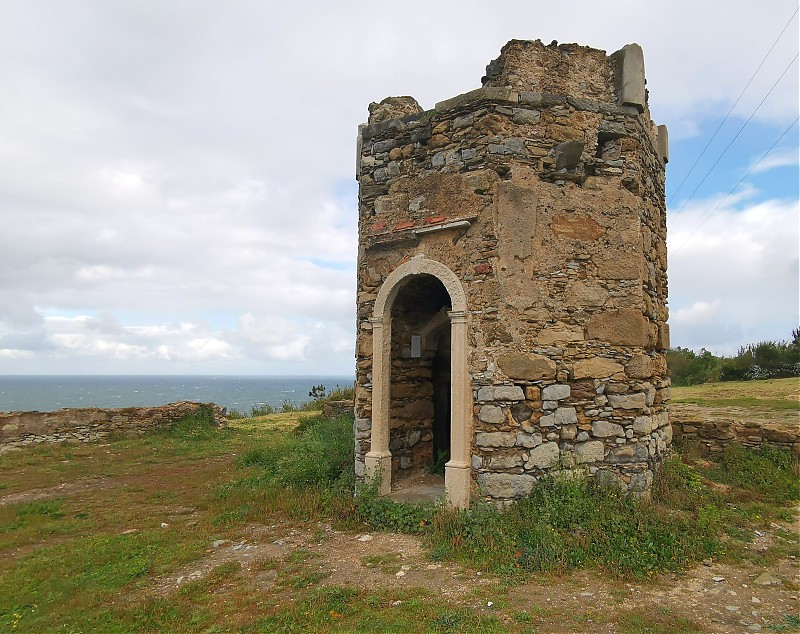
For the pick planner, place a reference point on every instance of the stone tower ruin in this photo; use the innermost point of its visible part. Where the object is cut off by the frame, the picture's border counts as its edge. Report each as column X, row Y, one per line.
column 512, row 278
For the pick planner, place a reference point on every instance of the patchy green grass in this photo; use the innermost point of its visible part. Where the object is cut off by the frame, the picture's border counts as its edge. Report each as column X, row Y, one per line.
column 50, row 586
column 779, row 404
column 573, row 523
column 87, row 558
column 346, row 609
column 774, row 394
column 768, row 474
column 656, row 622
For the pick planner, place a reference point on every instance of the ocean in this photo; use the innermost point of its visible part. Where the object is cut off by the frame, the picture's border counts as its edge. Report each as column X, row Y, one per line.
column 49, row 393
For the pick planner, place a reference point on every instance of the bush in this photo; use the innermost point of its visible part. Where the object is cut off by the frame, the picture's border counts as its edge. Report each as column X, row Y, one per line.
column 771, row 472
column 762, row 360
column 571, row 523
column 384, row 514
column 199, row 426
column 689, row 368
column 319, row 454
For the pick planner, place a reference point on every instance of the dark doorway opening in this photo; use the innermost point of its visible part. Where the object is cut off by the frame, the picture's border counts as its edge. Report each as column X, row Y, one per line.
column 419, row 412
column 441, row 400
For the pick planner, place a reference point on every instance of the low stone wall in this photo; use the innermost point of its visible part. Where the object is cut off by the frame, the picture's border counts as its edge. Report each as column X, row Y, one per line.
column 713, row 435
column 21, row 429
column 332, row 409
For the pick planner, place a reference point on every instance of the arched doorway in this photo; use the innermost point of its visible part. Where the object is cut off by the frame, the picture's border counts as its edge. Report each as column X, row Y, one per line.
column 418, row 327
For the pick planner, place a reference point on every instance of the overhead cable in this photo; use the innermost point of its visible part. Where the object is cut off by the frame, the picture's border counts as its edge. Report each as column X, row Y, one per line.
column 713, row 136
column 735, row 187
column 725, row 151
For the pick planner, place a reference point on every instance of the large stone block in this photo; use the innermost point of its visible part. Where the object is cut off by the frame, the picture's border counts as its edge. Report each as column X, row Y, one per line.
column 623, row 327
column 555, row 392
column 630, row 78
column 637, row 400
column 505, row 485
column 501, row 393
column 491, row 414
column 559, row 334
column 585, row 294
column 521, row 412
column 543, row 456
column 632, row 452
column 528, row 440
column 580, row 227
column 591, row 451
column 604, row 429
column 566, row 416
column 639, row 367
column 503, row 461
column 662, row 342
column 516, row 214
column 623, row 265
column 495, row 439
column 595, row 368
column 527, row 367
column 643, row 425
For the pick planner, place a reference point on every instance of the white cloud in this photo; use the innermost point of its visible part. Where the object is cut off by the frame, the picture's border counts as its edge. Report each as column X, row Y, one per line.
column 169, row 169
column 782, row 157
column 7, row 353
column 700, row 312
column 734, row 275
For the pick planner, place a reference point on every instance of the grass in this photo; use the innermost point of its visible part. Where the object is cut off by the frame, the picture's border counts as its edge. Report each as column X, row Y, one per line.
column 574, row 523
column 773, row 394
column 346, row 609
column 768, row 474
column 89, row 558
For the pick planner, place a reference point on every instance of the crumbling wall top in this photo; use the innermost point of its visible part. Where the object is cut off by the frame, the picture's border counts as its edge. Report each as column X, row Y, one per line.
column 393, row 108
column 571, row 69
column 559, row 69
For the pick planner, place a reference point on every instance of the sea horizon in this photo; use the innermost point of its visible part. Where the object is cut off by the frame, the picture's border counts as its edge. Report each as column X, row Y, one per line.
column 50, row 392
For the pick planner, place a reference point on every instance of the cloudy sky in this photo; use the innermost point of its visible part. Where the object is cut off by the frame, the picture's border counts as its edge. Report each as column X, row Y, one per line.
column 176, row 177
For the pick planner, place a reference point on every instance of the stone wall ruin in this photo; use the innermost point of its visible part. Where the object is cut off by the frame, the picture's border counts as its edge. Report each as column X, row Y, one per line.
column 79, row 425
column 512, row 287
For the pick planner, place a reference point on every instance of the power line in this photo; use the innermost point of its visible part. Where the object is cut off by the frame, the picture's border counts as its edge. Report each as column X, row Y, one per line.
column 735, row 187
column 713, row 136
column 725, row 151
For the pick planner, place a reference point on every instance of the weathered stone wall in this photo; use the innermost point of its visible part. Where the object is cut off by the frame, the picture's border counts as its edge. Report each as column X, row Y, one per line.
column 543, row 192
column 331, row 409
column 714, row 434
column 22, row 429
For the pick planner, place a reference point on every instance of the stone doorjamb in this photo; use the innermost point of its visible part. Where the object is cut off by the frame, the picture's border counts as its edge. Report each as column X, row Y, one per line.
column 378, row 460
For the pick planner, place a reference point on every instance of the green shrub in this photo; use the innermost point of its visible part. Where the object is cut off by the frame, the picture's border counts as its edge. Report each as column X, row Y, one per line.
column 690, row 368
column 199, row 426
column 346, row 393
column 565, row 523
column 320, row 454
column 571, row 523
column 762, row 360
column 770, row 472
column 384, row 514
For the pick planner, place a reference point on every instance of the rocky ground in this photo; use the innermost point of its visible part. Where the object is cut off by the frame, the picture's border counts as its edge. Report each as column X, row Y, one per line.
column 713, row 597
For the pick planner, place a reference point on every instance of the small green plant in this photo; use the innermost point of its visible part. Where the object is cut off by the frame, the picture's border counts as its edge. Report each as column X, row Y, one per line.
column 198, row 426
column 388, row 563
column 263, row 409
column 317, row 392
column 437, row 466
column 788, row 623
column 340, row 394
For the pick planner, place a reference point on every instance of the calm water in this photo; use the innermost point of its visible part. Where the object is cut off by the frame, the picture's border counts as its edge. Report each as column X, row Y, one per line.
column 48, row 393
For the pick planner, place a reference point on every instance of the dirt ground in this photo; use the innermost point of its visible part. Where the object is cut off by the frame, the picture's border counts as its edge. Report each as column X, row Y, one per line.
column 717, row 598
